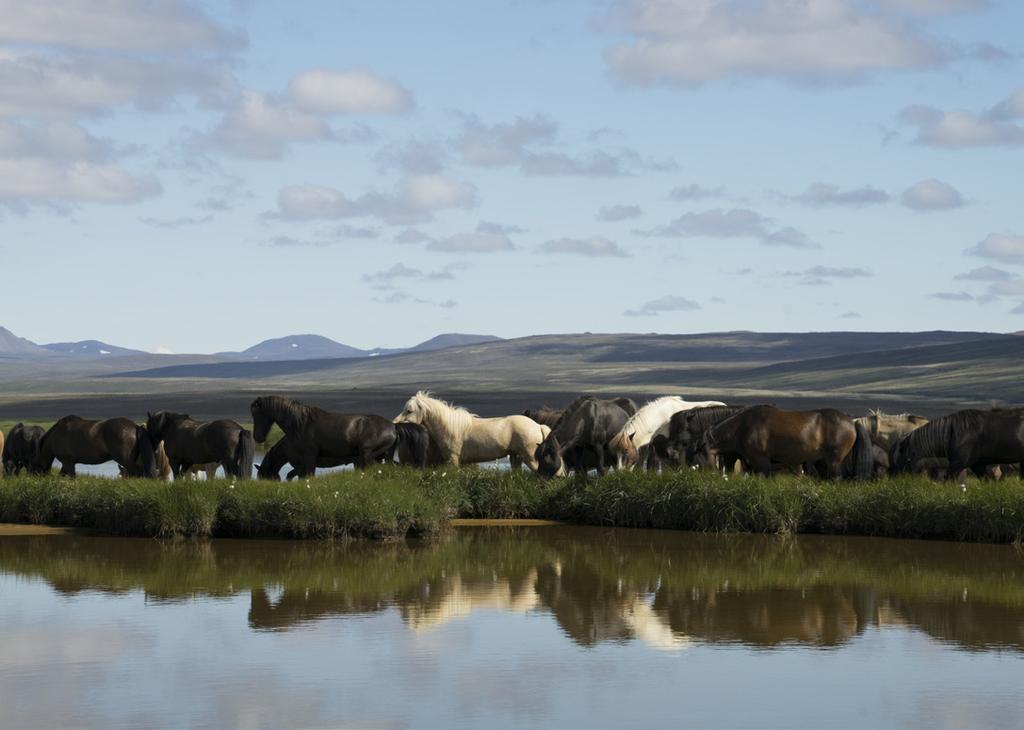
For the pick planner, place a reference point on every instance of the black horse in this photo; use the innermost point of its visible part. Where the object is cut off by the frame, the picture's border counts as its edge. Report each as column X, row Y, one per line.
column 686, row 427
column 74, row 440
column 189, row 442
column 968, row 439
column 583, row 431
column 411, row 448
column 21, row 449
column 315, row 433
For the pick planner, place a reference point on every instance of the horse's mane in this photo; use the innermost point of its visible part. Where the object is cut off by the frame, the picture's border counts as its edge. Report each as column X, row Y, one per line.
column 280, row 408
column 571, row 408
column 448, row 419
column 641, row 421
column 932, row 439
column 703, row 418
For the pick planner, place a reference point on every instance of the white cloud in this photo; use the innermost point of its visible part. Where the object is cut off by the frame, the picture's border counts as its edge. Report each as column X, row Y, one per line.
column 934, row 7
column 615, row 213
column 668, row 303
column 825, row 275
column 92, row 84
column 36, row 180
column 686, row 193
column 260, row 127
column 504, row 143
column 734, row 223
column 952, row 296
column 689, row 42
column 821, row 194
column 433, row 192
column 128, row 25
column 958, row 128
column 348, row 92
column 50, row 140
column 595, row 246
column 415, row 200
column 1002, row 247
column 472, row 243
column 985, row 273
column 932, row 194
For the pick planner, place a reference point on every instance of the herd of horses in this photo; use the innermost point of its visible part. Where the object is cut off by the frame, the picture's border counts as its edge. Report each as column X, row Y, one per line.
column 590, row 433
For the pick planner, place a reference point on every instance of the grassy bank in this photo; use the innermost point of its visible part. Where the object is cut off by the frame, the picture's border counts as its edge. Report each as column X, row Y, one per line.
column 393, row 502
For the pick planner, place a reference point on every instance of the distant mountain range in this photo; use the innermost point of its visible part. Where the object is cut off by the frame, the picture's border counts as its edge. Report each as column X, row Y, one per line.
column 294, row 347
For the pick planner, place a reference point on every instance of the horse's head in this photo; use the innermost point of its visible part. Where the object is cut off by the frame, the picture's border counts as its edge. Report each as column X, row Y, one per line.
column 701, row 451
column 266, row 470
column 625, row 450
column 900, row 458
column 262, row 421
column 549, row 457
column 413, row 412
column 155, row 425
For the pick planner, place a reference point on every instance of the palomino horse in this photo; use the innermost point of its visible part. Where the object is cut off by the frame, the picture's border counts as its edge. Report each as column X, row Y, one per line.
column 189, row 442
column 642, row 426
column 21, row 450
column 75, row 440
column 461, row 437
column 583, row 431
column 765, row 436
column 886, row 428
column 316, row 434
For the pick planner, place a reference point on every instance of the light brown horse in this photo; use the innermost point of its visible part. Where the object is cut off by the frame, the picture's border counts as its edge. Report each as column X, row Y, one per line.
column 765, row 436
column 887, row 428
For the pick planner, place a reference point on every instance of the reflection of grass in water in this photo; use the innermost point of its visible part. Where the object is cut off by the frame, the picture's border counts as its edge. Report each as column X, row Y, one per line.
column 595, row 567
column 392, row 501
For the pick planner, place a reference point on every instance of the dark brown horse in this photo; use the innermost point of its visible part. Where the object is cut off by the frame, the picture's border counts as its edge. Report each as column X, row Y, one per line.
column 21, row 449
column 763, row 436
column 969, row 439
column 579, row 439
column 315, row 433
column 545, row 415
column 411, row 450
column 73, row 440
column 189, row 442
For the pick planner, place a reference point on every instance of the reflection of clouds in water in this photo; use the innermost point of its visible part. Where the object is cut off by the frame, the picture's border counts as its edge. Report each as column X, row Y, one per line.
column 957, row 710
column 51, row 677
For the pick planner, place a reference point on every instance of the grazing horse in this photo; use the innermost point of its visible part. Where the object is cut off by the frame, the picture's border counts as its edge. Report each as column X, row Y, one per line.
column 969, row 439
column 763, row 436
column 317, row 434
column 686, row 427
column 461, row 437
column 545, row 415
column 21, row 450
column 74, row 440
column 584, row 430
column 642, row 426
column 411, row 448
column 189, row 442
column 886, row 428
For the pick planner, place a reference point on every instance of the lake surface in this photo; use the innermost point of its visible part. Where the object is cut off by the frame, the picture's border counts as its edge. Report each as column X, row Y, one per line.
column 544, row 626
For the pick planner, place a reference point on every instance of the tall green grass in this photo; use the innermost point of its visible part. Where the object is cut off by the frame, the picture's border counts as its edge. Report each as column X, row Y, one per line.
column 394, row 501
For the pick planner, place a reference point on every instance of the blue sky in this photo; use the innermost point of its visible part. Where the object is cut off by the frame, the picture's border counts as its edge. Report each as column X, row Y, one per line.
column 198, row 177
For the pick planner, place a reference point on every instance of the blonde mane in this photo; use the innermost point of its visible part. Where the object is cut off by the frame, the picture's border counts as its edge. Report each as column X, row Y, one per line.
column 643, row 421
column 449, row 421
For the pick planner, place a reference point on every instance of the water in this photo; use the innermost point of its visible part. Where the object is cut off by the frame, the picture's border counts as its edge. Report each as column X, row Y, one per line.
column 511, row 627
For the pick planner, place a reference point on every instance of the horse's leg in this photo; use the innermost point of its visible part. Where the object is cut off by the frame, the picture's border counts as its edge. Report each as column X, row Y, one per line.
column 67, row 469
column 230, row 469
column 514, row 462
column 760, row 464
column 599, row 452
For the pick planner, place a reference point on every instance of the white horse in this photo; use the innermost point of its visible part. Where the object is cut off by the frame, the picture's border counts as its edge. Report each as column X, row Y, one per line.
column 464, row 438
column 649, row 421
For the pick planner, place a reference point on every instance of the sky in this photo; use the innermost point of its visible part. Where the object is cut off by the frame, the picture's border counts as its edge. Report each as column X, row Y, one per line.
column 196, row 177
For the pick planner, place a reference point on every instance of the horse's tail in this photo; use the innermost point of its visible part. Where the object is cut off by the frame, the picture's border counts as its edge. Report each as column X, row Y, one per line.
column 863, row 453
column 145, row 456
column 245, row 454
column 412, row 439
